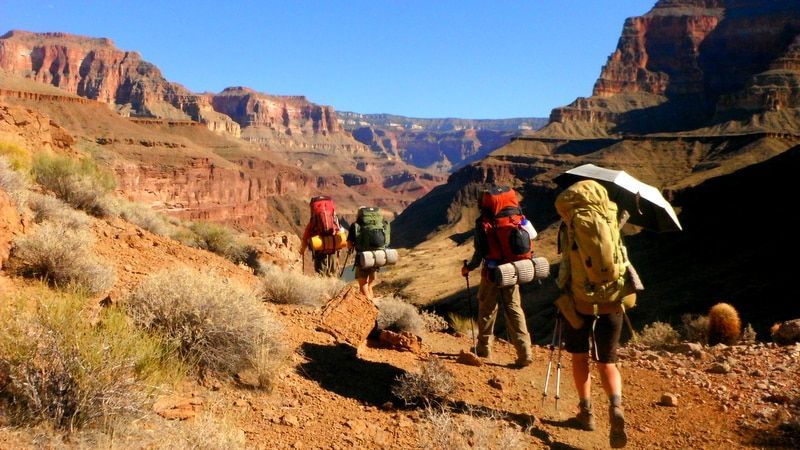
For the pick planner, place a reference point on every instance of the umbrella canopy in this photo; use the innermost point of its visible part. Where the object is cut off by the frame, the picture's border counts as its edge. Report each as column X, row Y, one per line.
column 645, row 204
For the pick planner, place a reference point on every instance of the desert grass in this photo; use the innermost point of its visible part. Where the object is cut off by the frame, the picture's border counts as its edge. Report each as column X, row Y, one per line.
column 13, row 182
column 464, row 325
column 431, row 386
column 62, row 256
column 749, row 335
column 214, row 324
column 18, row 158
column 80, row 183
column 695, row 328
column 47, row 208
column 68, row 372
column 218, row 239
column 658, row 335
column 292, row 288
column 397, row 315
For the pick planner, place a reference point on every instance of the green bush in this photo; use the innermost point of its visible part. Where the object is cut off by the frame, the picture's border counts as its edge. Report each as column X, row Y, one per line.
column 63, row 370
column 214, row 324
column 292, row 288
column 18, row 158
column 80, row 183
column 658, row 335
column 62, row 256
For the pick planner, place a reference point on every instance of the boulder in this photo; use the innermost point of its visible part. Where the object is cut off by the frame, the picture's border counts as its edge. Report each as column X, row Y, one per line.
column 786, row 333
column 402, row 341
column 349, row 317
column 10, row 225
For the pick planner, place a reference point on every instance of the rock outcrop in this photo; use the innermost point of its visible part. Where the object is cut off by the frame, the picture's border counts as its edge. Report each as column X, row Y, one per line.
column 10, row 225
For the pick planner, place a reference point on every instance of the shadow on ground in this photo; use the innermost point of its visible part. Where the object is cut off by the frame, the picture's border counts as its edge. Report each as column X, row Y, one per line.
column 337, row 369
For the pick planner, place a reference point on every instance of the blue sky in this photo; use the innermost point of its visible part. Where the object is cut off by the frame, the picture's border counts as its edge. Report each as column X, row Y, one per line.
column 435, row 58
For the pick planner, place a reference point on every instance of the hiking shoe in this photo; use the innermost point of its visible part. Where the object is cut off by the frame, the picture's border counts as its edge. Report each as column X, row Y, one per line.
column 617, row 438
column 483, row 352
column 523, row 362
column 585, row 419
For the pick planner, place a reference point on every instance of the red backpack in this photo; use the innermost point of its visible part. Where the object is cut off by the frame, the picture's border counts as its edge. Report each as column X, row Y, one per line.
column 501, row 223
column 323, row 216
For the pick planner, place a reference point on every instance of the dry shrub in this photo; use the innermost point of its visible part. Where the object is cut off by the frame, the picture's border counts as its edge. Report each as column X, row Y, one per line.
column 431, row 386
column 695, row 328
column 442, row 429
column 48, row 208
column 279, row 286
column 64, row 371
column 13, row 182
column 724, row 326
column 214, row 324
column 142, row 216
column 81, row 184
column 396, row 315
column 62, row 256
column 658, row 335
column 749, row 335
column 434, row 322
column 218, row 239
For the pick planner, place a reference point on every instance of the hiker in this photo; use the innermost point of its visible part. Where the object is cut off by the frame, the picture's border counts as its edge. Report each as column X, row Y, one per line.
column 500, row 219
column 369, row 232
column 596, row 291
column 323, row 233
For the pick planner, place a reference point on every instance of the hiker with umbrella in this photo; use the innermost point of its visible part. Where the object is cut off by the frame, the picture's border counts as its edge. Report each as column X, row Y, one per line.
column 597, row 280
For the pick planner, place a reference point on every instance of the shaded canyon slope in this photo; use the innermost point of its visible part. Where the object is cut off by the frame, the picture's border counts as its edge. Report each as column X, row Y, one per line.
column 700, row 97
column 440, row 144
column 240, row 156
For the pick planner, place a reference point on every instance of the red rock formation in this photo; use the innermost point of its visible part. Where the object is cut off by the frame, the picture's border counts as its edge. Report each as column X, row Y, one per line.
column 10, row 225
column 289, row 114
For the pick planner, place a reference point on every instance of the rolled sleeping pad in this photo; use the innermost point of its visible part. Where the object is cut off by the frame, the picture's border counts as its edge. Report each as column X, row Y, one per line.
column 332, row 243
column 377, row 258
column 521, row 272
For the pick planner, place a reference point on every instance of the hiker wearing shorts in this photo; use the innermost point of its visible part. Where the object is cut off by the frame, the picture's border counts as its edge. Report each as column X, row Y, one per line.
column 490, row 296
column 369, row 232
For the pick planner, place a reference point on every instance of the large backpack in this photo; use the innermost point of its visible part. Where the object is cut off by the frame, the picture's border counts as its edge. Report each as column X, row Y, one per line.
column 505, row 239
column 371, row 231
column 590, row 239
column 323, row 216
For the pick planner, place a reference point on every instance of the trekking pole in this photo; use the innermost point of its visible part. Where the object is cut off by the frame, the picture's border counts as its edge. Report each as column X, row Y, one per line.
column 303, row 256
column 558, row 366
column 550, row 361
column 469, row 304
column 344, row 266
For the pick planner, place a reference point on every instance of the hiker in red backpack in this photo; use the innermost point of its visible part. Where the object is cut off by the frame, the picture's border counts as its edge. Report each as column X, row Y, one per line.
column 502, row 235
column 324, row 236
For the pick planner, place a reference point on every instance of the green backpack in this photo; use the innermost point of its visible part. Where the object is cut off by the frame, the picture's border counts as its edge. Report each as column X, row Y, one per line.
column 594, row 259
column 372, row 232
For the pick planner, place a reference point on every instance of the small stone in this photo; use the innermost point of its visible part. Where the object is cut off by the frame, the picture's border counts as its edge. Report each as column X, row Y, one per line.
column 720, row 367
column 669, row 399
column 358, row 426
column 241, row 402
column 496, row 383
column 387, row 406
column 763, row 385
column 297, row 444
column 469, row 359
column 290, row 420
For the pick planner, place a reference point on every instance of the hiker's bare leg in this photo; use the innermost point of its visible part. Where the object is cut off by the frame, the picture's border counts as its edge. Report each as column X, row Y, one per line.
column 370, row 284
column 363, row 286
column 581, row 374
column 611, row 379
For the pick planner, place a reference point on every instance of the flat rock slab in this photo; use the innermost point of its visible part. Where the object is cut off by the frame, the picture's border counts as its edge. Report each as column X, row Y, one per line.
column 178, row 407
column 402, row 341
column 349, row 317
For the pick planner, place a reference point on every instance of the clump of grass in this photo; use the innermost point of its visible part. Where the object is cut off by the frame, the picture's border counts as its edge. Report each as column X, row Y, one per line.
column 658, row 335
column 434, row 322
column 397, row 315
column 695, row 328
column 430, row 386
column 279, row 286
column 62, row 370
column 214, row 324
column 749, row 335
column 62, row 256
column 464, row 325
column 18, row 158
column 48, row 208
column 80, row 183
column 219, row 239
column 142, row 216
column 443, row 429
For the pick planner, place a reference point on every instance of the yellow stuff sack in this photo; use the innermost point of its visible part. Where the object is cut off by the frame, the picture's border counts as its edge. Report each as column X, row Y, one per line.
column 329, row 244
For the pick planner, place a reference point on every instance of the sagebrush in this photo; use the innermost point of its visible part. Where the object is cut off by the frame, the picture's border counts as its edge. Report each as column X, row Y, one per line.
column 47, row 208
column 442, row 429
column 13, row 182
column 396, row 315
column 430, row 386
column 62, row 256
column 464, row 325
column 658, row 335
column 293, row 288
column 80, row 183
column 215, row 324
column 62, row 369
column 695, row 328
column 142, row 216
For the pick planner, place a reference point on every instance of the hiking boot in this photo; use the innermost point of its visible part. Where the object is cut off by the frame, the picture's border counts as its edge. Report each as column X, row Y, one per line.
column 617, row 438
column 523, row 361
column 585, row 419
column 483, row 352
